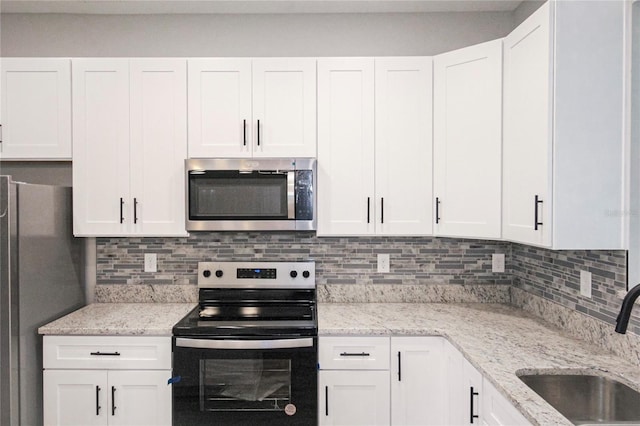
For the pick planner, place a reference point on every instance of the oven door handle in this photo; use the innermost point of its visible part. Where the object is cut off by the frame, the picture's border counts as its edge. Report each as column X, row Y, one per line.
column 244, row 344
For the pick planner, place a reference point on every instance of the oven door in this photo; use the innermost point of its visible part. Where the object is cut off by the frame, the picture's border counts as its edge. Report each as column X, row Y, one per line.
column 244, row 382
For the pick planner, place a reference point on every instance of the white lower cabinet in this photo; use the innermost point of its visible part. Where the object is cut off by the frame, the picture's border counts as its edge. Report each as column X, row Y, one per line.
column 472, row 399
column 404, row 381
column 418, row 377
column 354, row 397
column 119, row 381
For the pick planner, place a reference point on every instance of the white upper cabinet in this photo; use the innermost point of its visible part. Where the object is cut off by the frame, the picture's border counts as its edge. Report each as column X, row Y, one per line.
column 220, row 119
column 563, row 146
column 346, row 146
column 403, row 146
column 259, row 107
column 158, row 145
column 36, row 109
column 129, row 132
column 100, row 146
column 284, row 107
column 468, row 141
column 374, row 146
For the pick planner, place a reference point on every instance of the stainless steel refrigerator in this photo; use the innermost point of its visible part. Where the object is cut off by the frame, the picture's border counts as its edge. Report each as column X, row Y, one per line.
column 41, row 279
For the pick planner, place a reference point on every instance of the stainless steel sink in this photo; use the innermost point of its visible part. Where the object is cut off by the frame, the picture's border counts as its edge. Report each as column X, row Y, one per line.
column 587, row 399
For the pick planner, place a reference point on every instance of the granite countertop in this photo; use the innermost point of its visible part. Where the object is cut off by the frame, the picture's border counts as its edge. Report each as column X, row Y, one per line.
column 498, row 340
column 152, row 319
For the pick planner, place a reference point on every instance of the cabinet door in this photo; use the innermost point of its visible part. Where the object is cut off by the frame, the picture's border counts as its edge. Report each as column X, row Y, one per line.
column 468, row 141
column 75, row 397
column 346, row 146
column 101, row 202
column 457, row 394
column 527, row 131
column 497, row 410
column 36, row 109
column 403, row 146
column 139, row 398
column 158, row 146
column 418, row 380
column 220, row 121
column 284, row 107
column 473, row 390
column 353, row 398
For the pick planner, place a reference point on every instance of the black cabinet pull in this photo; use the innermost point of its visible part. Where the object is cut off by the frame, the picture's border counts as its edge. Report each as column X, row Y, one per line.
column 536, row 223
column 98, row 400
column 326, row 400
column 258, row 132
column 113, row 400
column 368, row 209
column 399, row 366
column 121, row 210
column 471, row 395
column 244, row 132
column 355, row 354
column 437, row 210
column 382, row 210
column 135, row 210
column 105, row 353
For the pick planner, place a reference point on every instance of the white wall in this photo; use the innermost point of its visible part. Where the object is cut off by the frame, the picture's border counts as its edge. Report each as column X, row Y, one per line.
column 248, row 35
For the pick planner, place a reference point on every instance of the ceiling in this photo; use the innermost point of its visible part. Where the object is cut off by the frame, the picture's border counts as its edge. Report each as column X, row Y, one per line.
column 253, row 6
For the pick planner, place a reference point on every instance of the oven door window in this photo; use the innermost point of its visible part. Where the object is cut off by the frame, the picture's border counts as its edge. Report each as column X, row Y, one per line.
column 245, row 384
column 233, row 195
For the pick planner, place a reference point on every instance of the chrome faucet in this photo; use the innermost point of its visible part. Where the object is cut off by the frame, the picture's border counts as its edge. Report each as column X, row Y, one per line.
column 625, row 311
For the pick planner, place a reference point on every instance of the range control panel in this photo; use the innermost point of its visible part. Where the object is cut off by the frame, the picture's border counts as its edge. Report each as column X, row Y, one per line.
column 257, row 274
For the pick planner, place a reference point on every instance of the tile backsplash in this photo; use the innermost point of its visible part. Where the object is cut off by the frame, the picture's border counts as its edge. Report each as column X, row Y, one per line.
column 344, row 260
column 551, row 275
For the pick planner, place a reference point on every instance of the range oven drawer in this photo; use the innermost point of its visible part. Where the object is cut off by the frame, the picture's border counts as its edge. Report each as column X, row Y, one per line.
column 354, row 353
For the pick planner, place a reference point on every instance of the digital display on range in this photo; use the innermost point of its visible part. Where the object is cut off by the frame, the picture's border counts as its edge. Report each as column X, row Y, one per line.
column 259, row 273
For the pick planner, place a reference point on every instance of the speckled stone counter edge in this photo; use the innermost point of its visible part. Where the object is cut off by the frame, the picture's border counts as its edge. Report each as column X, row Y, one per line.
column 327, row 293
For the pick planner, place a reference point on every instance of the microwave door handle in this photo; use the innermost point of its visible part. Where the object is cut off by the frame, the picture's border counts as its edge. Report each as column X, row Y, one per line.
column 183, row 342
column 291, row 195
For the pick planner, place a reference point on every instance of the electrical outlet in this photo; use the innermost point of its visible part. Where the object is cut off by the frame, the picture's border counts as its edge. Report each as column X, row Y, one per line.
column 383, row 263
column 497, row 262
column 150, row 262
column 585, row 284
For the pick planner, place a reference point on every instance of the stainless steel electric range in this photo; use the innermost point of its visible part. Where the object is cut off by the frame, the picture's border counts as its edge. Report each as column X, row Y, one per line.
column 247, row 354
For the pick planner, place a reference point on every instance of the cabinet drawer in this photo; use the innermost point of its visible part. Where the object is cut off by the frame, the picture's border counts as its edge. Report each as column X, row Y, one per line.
column 110, row 352
column 354, row 353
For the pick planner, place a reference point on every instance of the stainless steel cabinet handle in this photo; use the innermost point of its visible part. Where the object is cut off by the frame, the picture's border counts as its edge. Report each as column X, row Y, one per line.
column 121, row 210
column 437, row 210
column 135, row 210
column 368, row 209
column 399, row 366
column 382, row 210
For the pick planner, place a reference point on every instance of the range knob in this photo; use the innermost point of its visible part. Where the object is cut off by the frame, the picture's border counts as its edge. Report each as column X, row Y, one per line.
column 206, row 273
column 293, row 274
column 305, row 274
column 219, row 273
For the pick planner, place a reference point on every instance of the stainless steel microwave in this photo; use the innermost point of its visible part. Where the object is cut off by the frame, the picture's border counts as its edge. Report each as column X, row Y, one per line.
column 269, row 194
